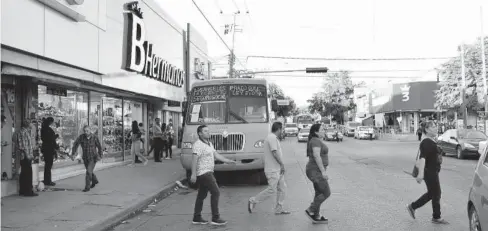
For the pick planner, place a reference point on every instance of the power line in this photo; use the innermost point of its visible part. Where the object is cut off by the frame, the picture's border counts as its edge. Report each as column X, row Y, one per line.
column 349, row 59
column 213, row 28
column 354, row 77
column 367, row 71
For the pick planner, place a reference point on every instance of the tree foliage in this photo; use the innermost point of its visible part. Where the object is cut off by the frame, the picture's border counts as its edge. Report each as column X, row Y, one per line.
column 335, row 97
column 449, row 94
column 276, row 92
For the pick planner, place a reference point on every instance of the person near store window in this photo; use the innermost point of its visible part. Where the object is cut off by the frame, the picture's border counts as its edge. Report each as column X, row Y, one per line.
column 92, row 153
column 170, row 133
column 157, row 140
column 143, row 138
column 49, row 149
column 24, row 147
column 165, row 141
column 135, row 136
column 4, row 142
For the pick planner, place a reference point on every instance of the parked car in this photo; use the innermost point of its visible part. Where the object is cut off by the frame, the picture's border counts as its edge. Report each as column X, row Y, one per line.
column 478, row 196
column 330, row 134
column 364, row 132
column 291, row 129
column 461, row 142
column 303, row 134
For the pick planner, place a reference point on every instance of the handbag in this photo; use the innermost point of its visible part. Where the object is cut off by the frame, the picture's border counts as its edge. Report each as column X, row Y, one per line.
column 415, row 171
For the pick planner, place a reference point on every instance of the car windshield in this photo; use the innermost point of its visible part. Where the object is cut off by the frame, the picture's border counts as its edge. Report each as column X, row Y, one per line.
column 291, row 125
column 471, row 134
column 305, row 130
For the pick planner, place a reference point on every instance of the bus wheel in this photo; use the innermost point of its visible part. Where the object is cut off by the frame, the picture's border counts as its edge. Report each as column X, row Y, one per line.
column 261, row 178
column 188, row 179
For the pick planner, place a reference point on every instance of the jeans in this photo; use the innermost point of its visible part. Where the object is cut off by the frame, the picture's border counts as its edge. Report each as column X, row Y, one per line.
column 25, row 178
column 158, row 149
column 90, row 177
column 48, row 161
column 169, row 148
column 276, row 185
column 206, row 183
column 433, row 193
column 322, row 189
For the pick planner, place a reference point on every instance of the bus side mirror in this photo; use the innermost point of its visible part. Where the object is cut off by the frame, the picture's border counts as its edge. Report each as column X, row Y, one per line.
column 274, row 105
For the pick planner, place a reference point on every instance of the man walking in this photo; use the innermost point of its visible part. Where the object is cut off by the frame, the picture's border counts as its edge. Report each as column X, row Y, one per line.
column 274, row 170
column 204, row 156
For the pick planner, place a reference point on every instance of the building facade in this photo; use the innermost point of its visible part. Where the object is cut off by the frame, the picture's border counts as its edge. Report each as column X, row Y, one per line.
column 100, row 63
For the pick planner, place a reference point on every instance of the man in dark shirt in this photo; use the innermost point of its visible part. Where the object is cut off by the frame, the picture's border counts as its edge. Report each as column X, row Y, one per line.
column 92, row 152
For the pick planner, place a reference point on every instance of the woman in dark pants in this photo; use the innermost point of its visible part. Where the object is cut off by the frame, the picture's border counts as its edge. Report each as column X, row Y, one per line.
column 318, row 154
column 165, row 142
column 48, row 149
column 430, row 160
column 170, row 133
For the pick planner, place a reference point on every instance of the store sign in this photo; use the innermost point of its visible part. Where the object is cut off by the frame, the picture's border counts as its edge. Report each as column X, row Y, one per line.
column 405, row 93
column 199, row 69
column 56, row 91
column 139, row 53
column 172, row 103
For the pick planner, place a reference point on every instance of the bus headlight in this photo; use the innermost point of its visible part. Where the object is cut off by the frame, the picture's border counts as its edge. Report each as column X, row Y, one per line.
column 187, row 145
column 259, row 144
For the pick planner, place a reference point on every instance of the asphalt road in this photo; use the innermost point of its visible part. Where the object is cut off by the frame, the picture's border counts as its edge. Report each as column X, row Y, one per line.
column 370, row 191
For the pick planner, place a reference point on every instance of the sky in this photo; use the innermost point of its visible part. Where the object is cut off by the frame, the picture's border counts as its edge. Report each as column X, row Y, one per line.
column 334, row 29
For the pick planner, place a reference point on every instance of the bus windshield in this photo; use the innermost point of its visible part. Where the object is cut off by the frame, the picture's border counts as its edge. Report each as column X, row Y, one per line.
column 235, row 103
column 354, row 124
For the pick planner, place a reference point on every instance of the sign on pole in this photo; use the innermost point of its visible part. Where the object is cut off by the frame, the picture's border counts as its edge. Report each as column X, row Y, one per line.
column 283, row 102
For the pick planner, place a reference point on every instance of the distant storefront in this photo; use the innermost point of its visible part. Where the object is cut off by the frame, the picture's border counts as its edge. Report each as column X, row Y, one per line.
column 403, row 106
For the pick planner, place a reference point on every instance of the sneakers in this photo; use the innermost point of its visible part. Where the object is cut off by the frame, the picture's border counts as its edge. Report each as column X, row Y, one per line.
column 218, row 222
column 250, row 206
column 439, row 221
column 199, row 221
column 411, row 211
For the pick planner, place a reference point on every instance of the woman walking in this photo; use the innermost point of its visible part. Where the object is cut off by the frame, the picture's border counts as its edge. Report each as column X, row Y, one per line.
column 48, row 149
column 430, row 160
column 318, row 154
column 136, row 138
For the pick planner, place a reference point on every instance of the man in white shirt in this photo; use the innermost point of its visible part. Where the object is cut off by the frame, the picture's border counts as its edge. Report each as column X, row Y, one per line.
column 274, row 170
column 204, row 156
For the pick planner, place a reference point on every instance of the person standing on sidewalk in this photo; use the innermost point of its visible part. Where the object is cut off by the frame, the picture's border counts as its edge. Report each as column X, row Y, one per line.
column 157, row 140
column 419, row 133
column 430, row 160
column 165, row 142
column 170, row 133
column 274, row 169
column 204, row 156
column 92, row 153
column 48, row 149
column 24, row 147
column 318, row 154
column 135, row 149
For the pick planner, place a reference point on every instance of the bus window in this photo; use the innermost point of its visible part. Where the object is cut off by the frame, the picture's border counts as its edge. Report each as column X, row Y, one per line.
column 247, row 109
column 208, row 112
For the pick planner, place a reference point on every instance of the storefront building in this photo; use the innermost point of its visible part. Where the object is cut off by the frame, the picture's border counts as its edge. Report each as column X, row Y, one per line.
column 100, row 63
column 401, row 107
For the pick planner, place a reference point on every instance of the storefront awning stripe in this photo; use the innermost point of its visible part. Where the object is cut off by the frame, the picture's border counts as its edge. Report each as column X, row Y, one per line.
column 8, row 69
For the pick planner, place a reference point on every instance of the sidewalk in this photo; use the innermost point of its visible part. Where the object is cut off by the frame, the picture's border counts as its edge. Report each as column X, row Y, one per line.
column 398, row 137
column 122, row 191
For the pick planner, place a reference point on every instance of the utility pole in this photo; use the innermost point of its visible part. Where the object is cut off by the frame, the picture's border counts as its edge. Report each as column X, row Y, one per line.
column 483, row 72
column 463, row 88
column 232, row 56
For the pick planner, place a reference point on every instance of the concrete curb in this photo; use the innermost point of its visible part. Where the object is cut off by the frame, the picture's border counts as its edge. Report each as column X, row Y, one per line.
column 133, row 209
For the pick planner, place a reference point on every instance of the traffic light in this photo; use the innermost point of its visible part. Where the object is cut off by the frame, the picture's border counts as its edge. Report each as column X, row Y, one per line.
column 316, row 70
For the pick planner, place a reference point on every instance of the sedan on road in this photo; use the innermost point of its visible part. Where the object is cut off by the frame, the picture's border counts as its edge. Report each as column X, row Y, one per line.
column 478, row 196
column 364, row 132
column 303, row 134
column 330, row 134
column 461, row 142
column 291, row 129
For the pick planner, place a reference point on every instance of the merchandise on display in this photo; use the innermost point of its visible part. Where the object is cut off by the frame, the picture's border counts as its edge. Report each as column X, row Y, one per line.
column 112, row 127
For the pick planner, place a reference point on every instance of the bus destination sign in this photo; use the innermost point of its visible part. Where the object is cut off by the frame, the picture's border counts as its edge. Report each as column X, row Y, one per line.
column 209, row 93
column 251, row 90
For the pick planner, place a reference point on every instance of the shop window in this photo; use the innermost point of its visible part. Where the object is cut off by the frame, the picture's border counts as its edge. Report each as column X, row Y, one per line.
column 8, row 126
column 69, row 109
column 112, row 123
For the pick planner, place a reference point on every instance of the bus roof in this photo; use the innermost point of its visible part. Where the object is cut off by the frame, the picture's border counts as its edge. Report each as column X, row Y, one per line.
column 229, row 81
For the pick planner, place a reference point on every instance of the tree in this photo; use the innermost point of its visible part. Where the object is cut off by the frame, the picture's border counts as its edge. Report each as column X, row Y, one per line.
column 276, row 92
column 449, row 94
column 335, row 97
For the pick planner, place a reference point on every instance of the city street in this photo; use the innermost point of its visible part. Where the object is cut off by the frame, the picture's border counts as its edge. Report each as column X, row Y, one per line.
column 370, row 191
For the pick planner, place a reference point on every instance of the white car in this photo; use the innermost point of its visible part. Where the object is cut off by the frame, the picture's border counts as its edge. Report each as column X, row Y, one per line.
column 303, row 134
column 291, row 129
column 364, row 132
column 482, row 146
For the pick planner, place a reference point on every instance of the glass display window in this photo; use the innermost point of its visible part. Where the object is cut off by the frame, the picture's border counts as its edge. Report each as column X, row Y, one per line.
column 132, row 112
column 9, row 167
column 113, row 128
column 69, row 109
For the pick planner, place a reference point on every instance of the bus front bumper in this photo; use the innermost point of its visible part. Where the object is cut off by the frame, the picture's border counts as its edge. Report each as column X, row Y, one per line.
column 245, row 161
